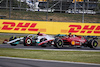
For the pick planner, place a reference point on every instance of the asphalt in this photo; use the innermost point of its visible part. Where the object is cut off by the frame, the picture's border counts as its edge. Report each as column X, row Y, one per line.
column 21, row 46
column 18, row 62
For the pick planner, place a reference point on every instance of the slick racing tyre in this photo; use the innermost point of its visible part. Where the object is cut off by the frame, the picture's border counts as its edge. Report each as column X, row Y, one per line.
column 58, row 43
column 12, row 38
column 93, row 43
column 27, row 41
column 45, row 44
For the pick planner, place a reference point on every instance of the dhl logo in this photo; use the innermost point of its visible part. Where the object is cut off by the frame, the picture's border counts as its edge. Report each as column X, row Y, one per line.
column 85, row 29
column 35, row 27
column 21, row 26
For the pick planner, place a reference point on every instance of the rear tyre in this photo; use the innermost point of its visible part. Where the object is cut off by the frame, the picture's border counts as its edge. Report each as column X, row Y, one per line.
column 93, row 43
column 58, row 43
column 27, row 41
column 12, row 38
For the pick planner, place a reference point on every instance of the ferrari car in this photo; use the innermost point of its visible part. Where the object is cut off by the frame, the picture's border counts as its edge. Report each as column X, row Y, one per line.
column 72, row 40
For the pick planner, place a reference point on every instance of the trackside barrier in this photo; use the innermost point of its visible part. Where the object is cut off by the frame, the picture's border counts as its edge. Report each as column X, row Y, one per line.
column 32, row 27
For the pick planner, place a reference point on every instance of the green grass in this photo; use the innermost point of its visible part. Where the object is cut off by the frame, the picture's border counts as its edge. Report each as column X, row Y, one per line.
column 73, row 56
column 3, row 37
column 64, row 17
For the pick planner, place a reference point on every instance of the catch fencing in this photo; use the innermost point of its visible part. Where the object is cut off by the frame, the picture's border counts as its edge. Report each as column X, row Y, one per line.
column 48, row 10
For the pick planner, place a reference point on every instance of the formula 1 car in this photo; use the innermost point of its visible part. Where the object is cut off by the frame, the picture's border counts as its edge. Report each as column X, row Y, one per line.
column 73, row 40
column 29, row 40
column 57, row 41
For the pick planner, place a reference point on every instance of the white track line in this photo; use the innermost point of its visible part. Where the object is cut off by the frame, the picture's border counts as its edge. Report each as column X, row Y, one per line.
column 59, row 49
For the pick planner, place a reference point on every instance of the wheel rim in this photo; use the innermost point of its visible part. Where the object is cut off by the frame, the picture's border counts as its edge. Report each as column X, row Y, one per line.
column 60, row 43
column 95, row 44
column 28, row 41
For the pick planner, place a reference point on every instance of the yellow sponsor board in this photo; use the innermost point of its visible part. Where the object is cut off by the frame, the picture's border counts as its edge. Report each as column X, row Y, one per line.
column 33, row 27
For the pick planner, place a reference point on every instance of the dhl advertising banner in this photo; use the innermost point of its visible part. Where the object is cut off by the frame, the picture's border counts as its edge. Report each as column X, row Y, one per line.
column 33, row 27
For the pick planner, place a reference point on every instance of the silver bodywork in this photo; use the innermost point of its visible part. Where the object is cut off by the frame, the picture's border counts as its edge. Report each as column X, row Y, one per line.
column 32, row 36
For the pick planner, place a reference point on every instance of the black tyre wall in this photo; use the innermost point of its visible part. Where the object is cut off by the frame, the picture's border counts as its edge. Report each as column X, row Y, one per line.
column 58, row 43
column 26, row 39
column 93, row 43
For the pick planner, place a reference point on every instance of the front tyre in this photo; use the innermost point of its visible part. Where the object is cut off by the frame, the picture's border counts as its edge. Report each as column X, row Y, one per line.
column 58, row 43
column 27, row 41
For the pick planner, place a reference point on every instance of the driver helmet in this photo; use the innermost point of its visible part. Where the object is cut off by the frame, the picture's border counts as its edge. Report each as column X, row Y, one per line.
column 69, row 33
column 38, row 33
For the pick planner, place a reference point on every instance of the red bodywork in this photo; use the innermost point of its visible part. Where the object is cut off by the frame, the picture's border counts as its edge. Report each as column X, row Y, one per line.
column 77, row 39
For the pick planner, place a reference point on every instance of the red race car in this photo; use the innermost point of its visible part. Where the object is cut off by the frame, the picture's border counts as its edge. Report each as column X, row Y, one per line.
column 72, row 40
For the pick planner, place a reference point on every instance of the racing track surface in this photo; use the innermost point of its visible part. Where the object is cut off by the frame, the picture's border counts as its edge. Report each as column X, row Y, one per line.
column 49, row 48
column 19, row 62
